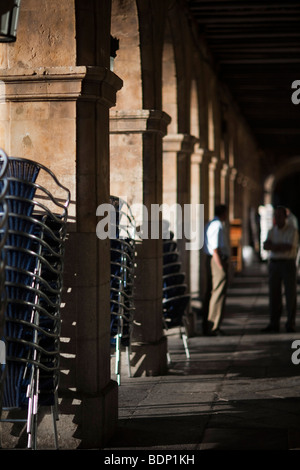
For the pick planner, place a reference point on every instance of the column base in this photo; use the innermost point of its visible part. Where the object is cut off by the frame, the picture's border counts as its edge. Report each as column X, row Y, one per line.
column 149, row 359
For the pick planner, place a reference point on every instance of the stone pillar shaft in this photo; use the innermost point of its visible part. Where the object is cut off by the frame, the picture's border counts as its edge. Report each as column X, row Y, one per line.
column 196, row 159
column 71, row 138
column 136, row 158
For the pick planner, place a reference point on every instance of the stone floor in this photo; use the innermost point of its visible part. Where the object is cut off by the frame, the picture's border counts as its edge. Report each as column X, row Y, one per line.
column 240, row 391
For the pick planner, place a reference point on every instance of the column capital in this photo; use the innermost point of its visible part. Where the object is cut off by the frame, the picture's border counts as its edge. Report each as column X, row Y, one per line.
column 138, row 121
column 60, row 84
column 179, row 143
column 197, row 156
column 232, row 173
column 224, row 169
column 213, row 162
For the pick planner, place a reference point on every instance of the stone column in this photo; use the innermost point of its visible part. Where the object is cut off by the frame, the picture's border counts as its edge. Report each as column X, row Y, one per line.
column 136, row 156
column 91, row 257
column 224, row 187
column 184, row 197
column 232, row 177
column 200, row 188
column 246, row 191
column 58, row 116
column 178, row 149
column 196, row 159
column 171, row 145
column 204, row 182
column 195, row 258
column 213, row 185
column 238, row 200
column 204, row 199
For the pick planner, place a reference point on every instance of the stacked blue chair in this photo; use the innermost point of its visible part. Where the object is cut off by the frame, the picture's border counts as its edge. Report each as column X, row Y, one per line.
column 34, row 251
column 122, row 251
column 175, row 295
column 3, row 237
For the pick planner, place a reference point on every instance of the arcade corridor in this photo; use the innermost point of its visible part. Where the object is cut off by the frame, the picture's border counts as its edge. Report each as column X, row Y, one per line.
column 236, row 392
column 160, row 104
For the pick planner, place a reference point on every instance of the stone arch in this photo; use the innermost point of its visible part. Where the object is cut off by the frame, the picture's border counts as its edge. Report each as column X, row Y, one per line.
column 194, row 110
column 90, row 17
column 213, row 110
column 183, row 46
column 201, row 85
column 151, row 50
column 127, row 63
column 169, row 84
column 280, row 173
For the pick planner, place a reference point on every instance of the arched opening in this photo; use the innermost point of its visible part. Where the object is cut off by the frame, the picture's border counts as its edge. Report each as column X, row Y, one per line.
column 211, row 129
column 169, row 94
column 283, row 186
column 286, row 192
column 280, row 188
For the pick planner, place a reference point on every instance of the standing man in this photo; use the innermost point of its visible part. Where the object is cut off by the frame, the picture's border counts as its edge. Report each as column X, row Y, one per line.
column 216, row 248
column 282, row 242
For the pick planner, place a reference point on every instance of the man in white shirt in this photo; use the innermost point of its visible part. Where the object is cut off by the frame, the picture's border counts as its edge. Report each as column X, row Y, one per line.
column 282, row 243
column 216, row 248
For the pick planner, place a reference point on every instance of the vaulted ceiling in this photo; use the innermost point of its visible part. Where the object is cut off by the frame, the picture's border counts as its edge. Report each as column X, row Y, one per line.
column 256, row 47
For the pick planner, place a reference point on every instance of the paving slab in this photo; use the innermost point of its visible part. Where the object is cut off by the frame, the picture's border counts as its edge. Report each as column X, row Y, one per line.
column 240, row 391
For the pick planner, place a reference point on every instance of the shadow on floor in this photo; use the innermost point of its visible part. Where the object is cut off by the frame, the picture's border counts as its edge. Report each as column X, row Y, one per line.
column 238, row 424
column 236, row 392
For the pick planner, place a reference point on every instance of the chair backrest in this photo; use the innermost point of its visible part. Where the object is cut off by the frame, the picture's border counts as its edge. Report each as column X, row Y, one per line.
column 34, row 250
